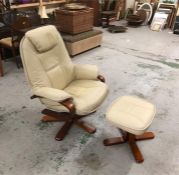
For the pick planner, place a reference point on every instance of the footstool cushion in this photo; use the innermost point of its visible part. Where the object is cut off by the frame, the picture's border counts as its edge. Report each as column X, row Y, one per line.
column 131, row 114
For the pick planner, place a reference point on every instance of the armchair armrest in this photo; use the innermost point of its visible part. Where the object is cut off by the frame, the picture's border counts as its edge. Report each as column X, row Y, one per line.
column 88, row 72
column 51, row 93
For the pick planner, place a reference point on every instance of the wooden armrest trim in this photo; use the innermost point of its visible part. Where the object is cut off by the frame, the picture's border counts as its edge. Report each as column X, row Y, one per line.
column 34, row 96
column 68, row 103
column 101, row 78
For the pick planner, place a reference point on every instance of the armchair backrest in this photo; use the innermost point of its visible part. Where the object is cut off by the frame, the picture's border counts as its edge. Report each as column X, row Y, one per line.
column 45, row 59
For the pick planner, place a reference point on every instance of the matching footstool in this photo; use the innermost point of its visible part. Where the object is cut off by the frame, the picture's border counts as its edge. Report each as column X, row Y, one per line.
column 132, row 116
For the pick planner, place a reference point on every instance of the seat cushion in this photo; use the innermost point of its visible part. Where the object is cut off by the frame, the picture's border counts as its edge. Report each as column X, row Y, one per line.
column 87, row 95
column 131, row 114
column 6, row 41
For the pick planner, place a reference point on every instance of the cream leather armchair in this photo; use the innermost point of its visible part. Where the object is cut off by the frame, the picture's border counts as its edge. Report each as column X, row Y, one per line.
column 68, row 91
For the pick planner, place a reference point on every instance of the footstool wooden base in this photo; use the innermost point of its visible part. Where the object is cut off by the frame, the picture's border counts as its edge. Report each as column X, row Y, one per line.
column 131, row 139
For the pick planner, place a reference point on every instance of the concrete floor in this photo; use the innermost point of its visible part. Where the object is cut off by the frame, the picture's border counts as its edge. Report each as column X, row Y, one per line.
column 140, row 62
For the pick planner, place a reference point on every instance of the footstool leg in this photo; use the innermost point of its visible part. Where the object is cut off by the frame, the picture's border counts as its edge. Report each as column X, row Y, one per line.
column 145, row 136
column 114, row 141
column 135, row 150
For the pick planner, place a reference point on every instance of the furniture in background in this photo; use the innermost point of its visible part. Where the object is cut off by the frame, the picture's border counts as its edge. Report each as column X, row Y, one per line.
column 137, row 19
column 111, row 11
column 4, row 6
column 74, row 21
column 176, row 26
column 159, row 21
column 16, row 6
column 26, row 5
column 96, row 5
column 138, row 3
column 77, row 28
column 33, row 17
column 82, row 42
column 15, row 21
column 105, row 11
column 69, row 91
column 133, row 116
column 117, row 29
column 171, row 10
column 107, row 17
column 163, row 17
column 4, row 32
column 149, row 6
column 42, row 10
column 149, row 11
column 1, row 68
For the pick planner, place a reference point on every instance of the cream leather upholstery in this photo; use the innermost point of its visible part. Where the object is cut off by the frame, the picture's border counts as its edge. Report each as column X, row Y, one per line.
column 86, row 72
column 131, row 114
column 53, row 76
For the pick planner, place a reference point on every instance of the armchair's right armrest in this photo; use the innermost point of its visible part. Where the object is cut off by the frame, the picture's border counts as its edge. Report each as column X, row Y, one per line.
column 51, row 94
column 86, row 71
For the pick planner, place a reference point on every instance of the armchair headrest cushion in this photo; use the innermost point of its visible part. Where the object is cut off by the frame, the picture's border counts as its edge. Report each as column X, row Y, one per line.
column 43, row 38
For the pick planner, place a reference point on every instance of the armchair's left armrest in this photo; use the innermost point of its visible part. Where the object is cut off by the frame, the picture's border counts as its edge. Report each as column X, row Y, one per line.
column 51, row 94
column 89, row 72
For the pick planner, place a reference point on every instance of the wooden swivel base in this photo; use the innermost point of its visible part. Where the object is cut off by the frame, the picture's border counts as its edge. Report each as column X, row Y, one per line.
column 68, row 119
column 131, row 139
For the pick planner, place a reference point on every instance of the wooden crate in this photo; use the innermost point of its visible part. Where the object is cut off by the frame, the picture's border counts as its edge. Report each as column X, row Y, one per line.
column 82, row 42
column 74, row 22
